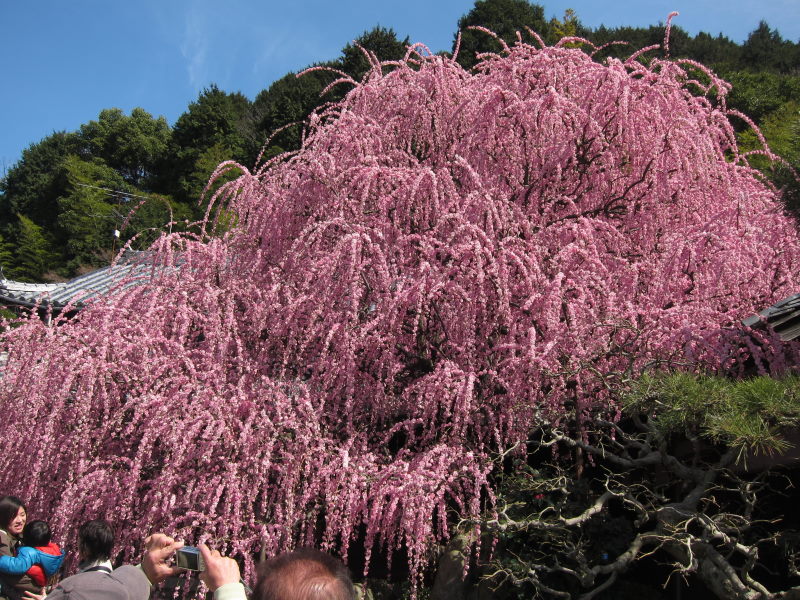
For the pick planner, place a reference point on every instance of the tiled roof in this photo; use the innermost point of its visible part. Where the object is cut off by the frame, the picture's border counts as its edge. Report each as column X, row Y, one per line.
column 131, row 269
column 783, row 318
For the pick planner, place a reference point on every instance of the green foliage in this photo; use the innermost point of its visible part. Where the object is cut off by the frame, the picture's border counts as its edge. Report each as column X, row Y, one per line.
column 719, row 51
column 635, row 38
column 766, row 50
column 213, row 119
column 781, row 128
column 567, row 26
column 133, row 145
column 205, row 165
column 747, row 414
column 759, row 94
column 215, row 125
column 55, row 184
column 34, row 253
column 32, row 185
column 6, row 257
column 381, row 42
column 88, row 216
column 290, row 99
column 503, row 17
column 97, row 201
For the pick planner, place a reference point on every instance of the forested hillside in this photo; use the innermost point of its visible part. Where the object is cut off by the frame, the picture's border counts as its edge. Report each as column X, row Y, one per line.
column 76, row 196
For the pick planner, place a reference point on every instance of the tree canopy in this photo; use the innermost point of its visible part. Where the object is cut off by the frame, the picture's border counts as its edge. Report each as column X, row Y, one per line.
column 174, row 163
column 451, row 259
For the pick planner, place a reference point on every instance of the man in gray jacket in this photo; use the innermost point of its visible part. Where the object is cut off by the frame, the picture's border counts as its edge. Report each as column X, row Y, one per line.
column 126, row 582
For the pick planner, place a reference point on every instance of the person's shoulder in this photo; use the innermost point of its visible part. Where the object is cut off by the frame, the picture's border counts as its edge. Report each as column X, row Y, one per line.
column 79, row 577
column 134, row 580
column 51, row 549
column 8, row 543
column 99, row 585
column 26, row 550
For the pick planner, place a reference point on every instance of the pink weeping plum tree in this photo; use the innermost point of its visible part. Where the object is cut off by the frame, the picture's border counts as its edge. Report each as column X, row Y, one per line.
column 451, row 259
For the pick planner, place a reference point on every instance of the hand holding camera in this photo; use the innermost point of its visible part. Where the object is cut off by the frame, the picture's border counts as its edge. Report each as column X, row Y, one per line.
column 158, row 549
column 219, row 570
column 215, row 570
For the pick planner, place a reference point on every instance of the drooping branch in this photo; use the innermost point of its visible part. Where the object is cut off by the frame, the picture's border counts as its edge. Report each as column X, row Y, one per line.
column 451, row 259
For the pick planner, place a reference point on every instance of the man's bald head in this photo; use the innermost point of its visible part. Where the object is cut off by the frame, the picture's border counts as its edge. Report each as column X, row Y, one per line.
column 304, row 574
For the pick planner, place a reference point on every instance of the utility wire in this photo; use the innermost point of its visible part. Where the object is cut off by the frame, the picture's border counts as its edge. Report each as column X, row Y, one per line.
column 113, row 192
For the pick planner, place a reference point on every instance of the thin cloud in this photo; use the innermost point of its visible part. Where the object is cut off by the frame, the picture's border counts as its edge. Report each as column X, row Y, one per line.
column 194, row 48
column 269, row 52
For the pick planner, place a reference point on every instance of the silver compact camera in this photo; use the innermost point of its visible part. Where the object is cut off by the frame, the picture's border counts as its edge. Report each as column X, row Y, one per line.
column 189, row 558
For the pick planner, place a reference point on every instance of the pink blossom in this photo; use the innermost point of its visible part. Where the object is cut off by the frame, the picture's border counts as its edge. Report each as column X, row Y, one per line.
column 450, row 259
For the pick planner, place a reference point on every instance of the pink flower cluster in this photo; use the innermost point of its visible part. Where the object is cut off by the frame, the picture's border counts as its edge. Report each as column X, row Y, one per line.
column 450, row 259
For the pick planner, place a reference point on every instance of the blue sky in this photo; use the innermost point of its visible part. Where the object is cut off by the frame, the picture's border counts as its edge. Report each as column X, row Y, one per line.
column 64, row 61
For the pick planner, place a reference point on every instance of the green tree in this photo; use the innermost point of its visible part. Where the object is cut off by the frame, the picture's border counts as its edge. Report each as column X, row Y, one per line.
column 7, row 262
column 134, row 145
column 88, row 214
column 719, row 51
column 32, row 185
column 566, row 26
column 781, row 128
column 503, row 17
column 290, row 99
column 34, row 253
column 762, row 93
column 96, row 202
column 215, row 120
column 765, row 49
column 205, row 165
column 634, row 39
column 381, row 42
column 285, row 104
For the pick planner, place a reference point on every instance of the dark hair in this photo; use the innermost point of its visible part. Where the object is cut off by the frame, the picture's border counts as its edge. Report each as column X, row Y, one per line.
column 305, row 574
column 36, row 533
column 9, row 507
column 95, row 540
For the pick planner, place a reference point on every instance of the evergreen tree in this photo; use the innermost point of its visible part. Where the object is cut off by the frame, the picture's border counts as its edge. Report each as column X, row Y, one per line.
column 379, row 41
column 503, row 17
column 217, row 119
column 34, row 253
column 33, row 184
column 88, row 215
column 765, row 49
column 289, row 101
column 7, row 262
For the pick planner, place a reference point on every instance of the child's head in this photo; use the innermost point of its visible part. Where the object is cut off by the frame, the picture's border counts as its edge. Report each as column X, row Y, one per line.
column 36, row 533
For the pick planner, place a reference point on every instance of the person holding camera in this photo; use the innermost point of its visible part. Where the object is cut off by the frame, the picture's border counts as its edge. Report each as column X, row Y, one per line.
column 305, row 574
column 125, row 583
